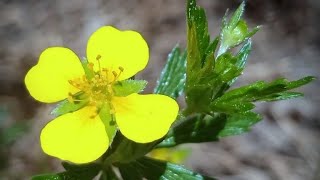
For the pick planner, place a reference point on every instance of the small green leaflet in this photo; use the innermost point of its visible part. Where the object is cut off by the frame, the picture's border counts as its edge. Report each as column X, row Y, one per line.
column 201, row 128
column 155, row 169
column 173, row 76
column 240, row 99
column 73, row 172
column 127, row 87
column 235, row 31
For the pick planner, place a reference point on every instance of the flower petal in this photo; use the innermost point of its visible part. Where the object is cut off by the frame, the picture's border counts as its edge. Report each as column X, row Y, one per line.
column 126, row 49
column 145, row 118
column 75, row 137
column 48, row 80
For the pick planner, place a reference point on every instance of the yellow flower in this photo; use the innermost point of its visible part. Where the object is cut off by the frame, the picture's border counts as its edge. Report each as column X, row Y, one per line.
column 113, row 56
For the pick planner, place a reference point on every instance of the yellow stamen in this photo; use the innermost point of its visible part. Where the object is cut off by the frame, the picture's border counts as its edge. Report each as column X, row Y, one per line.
column 99, row 88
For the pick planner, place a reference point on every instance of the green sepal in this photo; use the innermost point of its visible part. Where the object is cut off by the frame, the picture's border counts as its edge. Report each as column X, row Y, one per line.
column 235, row 31
column 124, row 150
column 65, row 106
column 148, row 168
column 89, row 72
column 129, row 86
column 109, row 121
column 73, row 172
column 173, row 75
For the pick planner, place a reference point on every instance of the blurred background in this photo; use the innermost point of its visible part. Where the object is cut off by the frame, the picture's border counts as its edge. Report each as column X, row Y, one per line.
column 285, row 145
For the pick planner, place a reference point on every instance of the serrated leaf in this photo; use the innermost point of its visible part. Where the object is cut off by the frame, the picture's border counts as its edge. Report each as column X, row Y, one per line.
column 155, row 169
column 211, row 83
column 239, row 123
column 65, row 106
column 198, row 36
column 236, row 17
column 209, row 77
column 129, row 86
column 173, row 76
column 200, row 128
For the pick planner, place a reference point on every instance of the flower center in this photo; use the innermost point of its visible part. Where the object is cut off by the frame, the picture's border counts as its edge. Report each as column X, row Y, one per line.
column 97, row 89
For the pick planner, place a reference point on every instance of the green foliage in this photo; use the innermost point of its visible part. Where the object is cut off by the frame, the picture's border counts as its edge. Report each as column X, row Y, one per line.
column 73, row 172
column 127, row 87
column 241, row 99
column 124, row 150
column 206, row 128
column 235, row 31
column 155, row 169
column 207, row 76
column 108, row 174
column 173, row 76
column 200, row 57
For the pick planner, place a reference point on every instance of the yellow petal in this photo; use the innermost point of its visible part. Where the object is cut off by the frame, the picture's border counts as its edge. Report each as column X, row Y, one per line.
column 48, row 80
column 126, row 49
column 75, row 137
column 145, row 118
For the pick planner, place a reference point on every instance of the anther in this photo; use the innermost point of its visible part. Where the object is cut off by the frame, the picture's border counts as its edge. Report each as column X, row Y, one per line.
column 121, row 68
column 114, row 74
column 98, row 57
column 90, row 66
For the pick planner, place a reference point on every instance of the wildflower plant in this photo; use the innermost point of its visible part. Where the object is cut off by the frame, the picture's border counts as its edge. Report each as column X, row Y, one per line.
column 104, row 128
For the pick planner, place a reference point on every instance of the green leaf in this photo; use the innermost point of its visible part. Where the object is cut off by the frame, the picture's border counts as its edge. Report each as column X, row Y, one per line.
column 155, row 169
column 124, row 150
column 207, row 77
column 210, row 82
column 235, row 31
column 239, row 99
column 73, row 172
column 198, row 36
column 108, row 174
column 65, row 106
column 173, row 76
column 127, row 87
column 59, row 176
column 83, row 171
column 201, row 128
column 237, row 124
